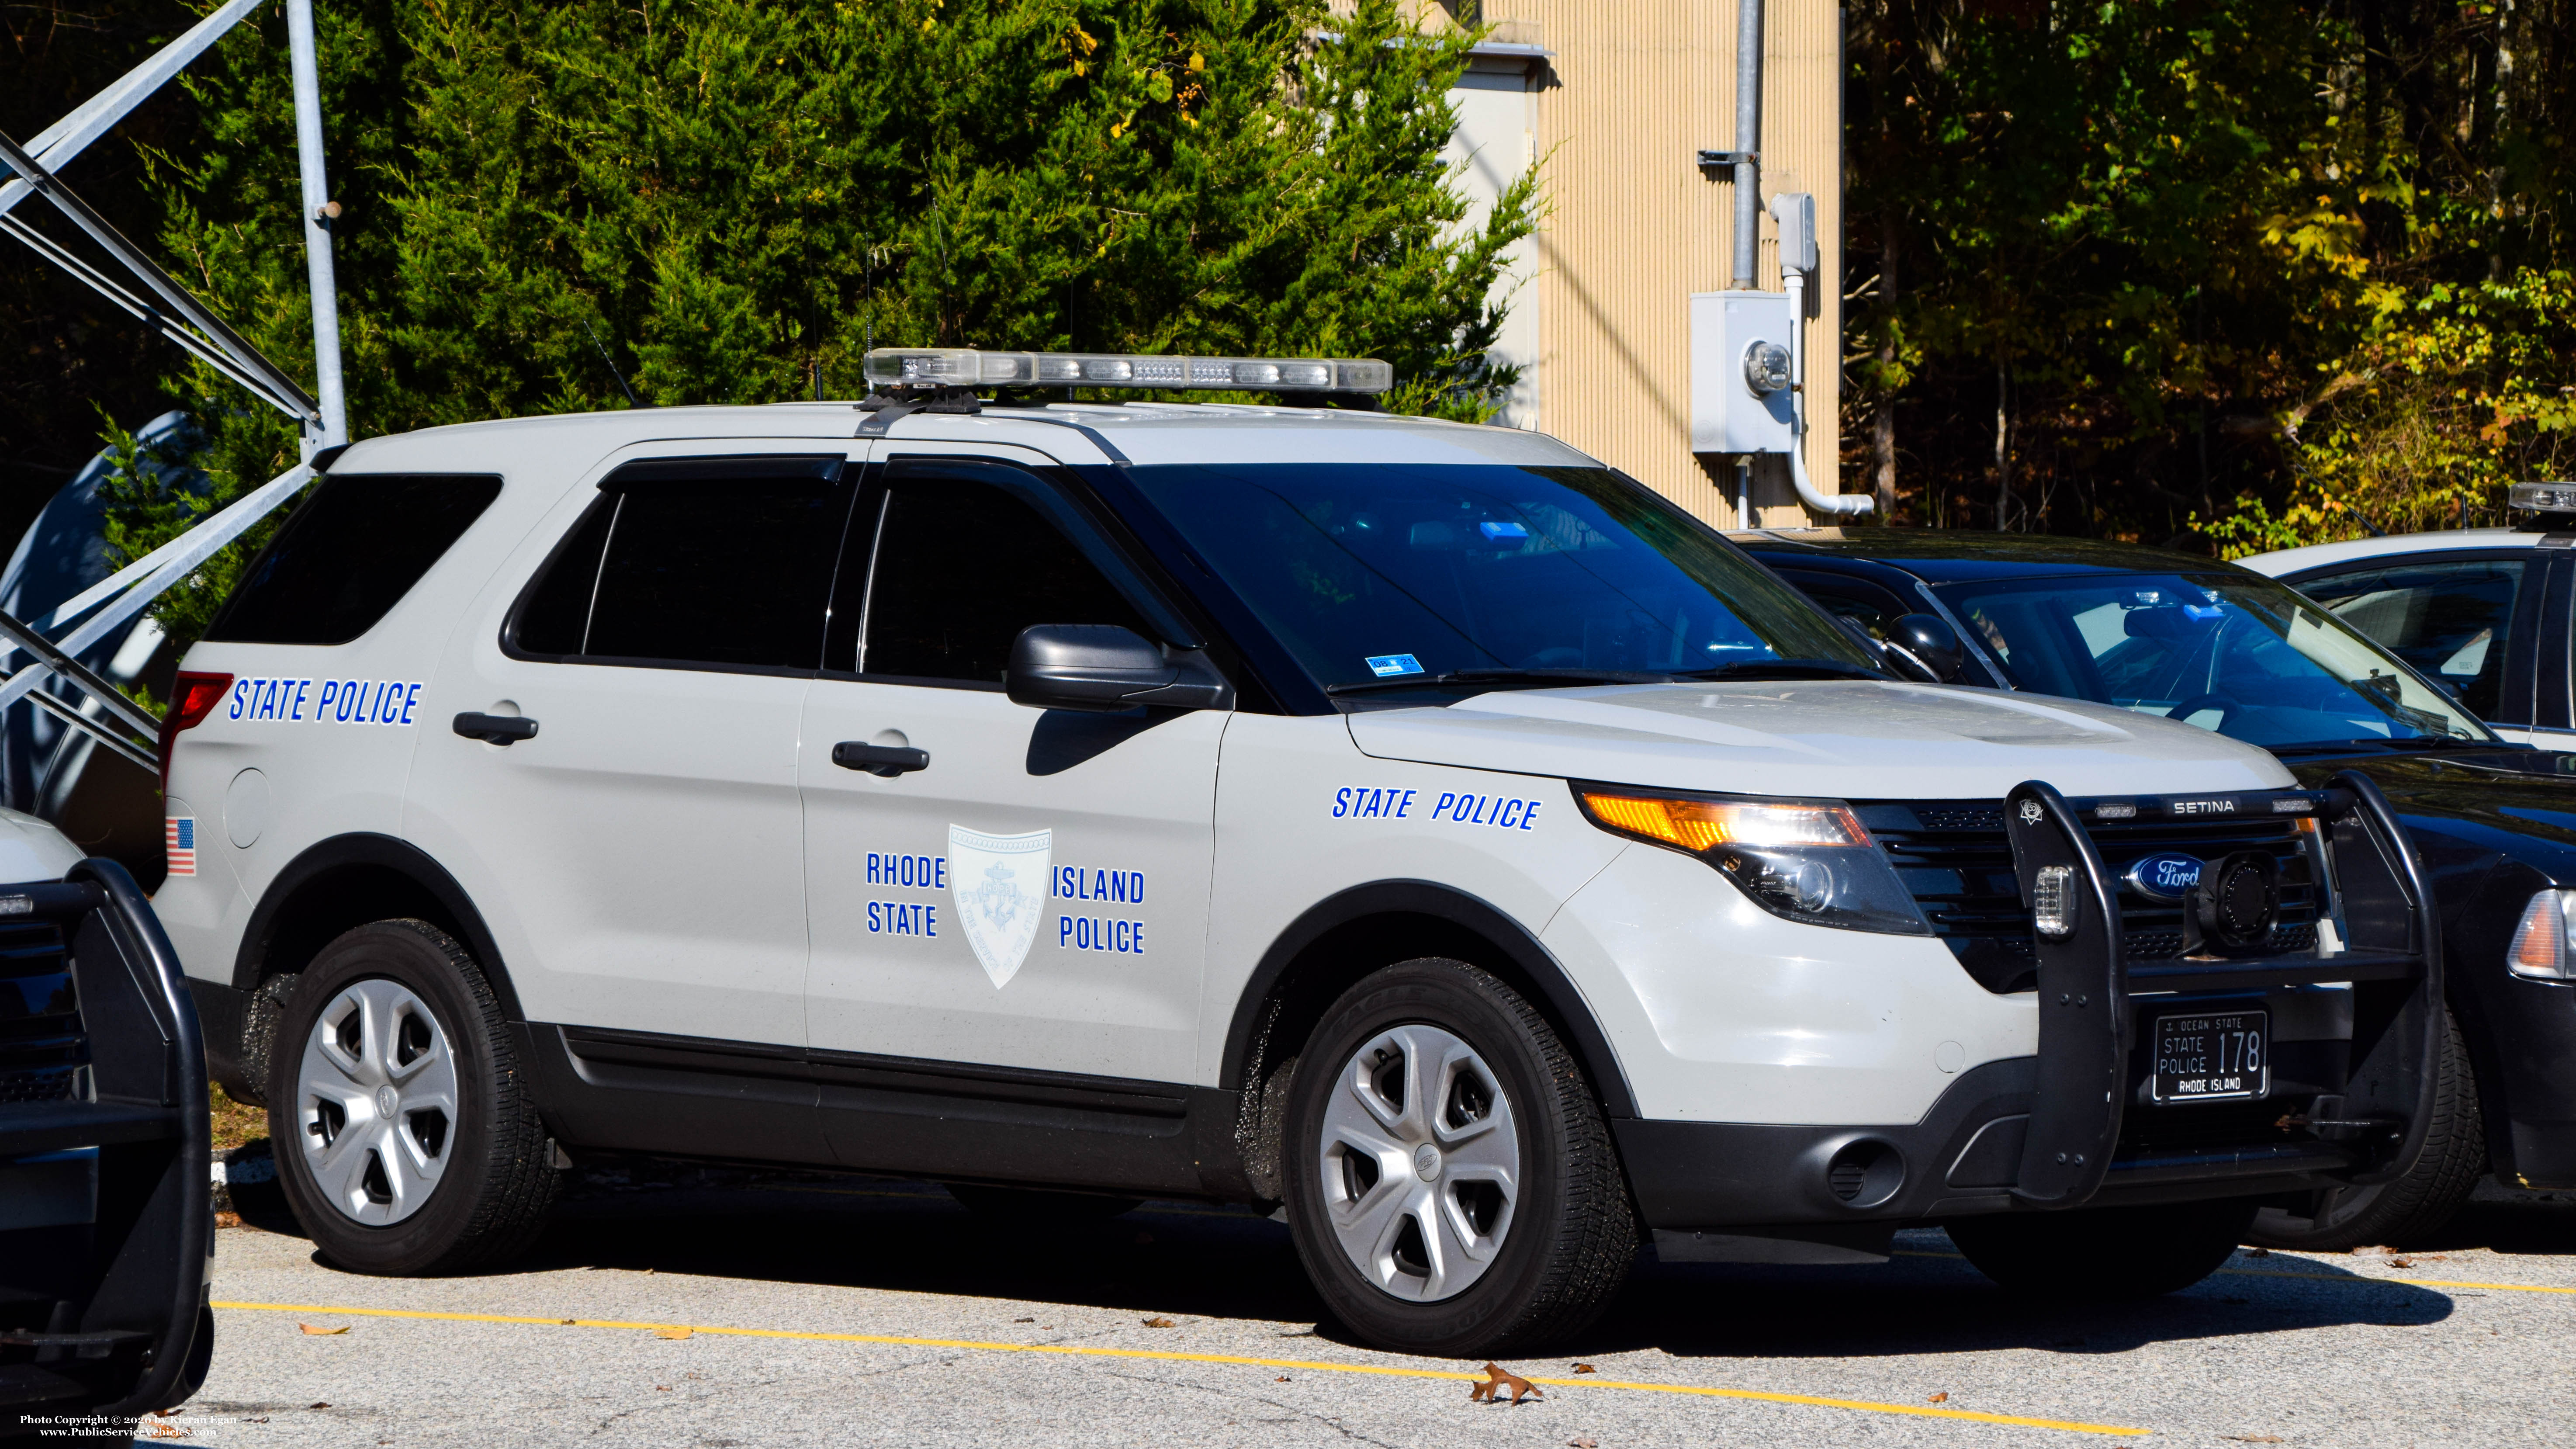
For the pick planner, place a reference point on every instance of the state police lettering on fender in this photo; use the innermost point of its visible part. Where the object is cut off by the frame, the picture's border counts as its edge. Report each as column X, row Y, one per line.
column 1362, row 802
column 335, row 701
column 1500, row 812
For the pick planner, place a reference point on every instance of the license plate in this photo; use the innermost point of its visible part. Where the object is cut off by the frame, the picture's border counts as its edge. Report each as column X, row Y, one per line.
column 2218, row 1057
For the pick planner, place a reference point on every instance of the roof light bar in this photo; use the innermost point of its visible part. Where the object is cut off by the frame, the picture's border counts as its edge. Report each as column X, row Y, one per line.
column 2545, row 497
column 967, row 367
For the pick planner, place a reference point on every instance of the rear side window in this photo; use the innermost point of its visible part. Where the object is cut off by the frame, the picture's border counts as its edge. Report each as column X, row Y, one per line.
column 349, row 554
column 2449, row 618
column 707, row 563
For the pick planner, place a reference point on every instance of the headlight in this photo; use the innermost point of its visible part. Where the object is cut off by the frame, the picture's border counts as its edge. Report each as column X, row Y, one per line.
column 2539, row 948
column 1806, row 860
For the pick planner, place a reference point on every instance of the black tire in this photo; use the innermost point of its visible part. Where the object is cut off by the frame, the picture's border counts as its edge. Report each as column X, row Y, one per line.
column 1571, row 1234
column 2419, row 1202
column 1037, row 1205
column 491, row 1198
column 2104, row 1254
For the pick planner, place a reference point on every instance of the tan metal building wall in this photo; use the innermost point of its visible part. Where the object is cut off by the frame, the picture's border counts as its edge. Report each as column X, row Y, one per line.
column 1628, row 93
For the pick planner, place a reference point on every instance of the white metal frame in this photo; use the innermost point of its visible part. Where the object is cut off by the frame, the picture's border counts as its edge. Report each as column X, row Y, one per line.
column 169, row 309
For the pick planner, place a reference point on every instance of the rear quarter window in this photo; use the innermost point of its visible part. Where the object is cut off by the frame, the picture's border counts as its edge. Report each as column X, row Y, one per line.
column 349, row 554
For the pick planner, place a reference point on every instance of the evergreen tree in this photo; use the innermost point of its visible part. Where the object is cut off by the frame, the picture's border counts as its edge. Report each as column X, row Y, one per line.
column 592, row 204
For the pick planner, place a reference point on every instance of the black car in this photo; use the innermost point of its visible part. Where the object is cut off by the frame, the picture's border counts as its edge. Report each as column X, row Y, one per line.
column 2233, row 651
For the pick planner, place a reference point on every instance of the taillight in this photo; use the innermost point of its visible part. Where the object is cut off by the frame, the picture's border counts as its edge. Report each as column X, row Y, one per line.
column 192, row 698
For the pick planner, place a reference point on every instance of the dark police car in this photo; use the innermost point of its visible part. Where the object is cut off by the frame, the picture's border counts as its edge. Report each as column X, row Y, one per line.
column 2238, row 653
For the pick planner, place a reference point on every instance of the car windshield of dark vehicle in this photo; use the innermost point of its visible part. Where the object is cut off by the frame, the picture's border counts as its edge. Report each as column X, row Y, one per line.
column 2243, row 656
column 1379, row 576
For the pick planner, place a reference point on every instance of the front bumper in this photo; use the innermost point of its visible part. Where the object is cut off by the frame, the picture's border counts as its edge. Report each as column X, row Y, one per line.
column 2074, row 1125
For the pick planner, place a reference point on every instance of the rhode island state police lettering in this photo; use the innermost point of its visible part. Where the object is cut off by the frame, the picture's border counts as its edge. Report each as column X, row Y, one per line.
column 1095, row 887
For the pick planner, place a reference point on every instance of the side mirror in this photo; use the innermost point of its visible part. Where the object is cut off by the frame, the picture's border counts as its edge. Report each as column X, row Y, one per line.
column 1931, row 642
column 1106, row 668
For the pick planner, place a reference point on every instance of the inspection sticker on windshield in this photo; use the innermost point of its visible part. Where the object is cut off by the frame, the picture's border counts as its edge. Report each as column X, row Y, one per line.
column 2215, row 1058
column 1383, row 665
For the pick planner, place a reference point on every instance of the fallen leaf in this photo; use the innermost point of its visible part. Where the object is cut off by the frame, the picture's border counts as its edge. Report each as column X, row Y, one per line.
column 674, row 1333
column 1940, row 1398
column 228, row 1220
column 1283, row 1378
column 319, row 1404
column 566, row 1322
column 322, row 1332
column 2401, row 1263
column 1587, row 1442
column 1497, row 1378
column 1585, row 1368
column 1158, row 1323
column 661, row 1388
column 1024, row 1320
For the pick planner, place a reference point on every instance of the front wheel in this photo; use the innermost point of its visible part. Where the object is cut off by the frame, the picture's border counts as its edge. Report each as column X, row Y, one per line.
column 407, row 1142
column 1452, row 1185
column 2418, row 1202
column 2104, row 1254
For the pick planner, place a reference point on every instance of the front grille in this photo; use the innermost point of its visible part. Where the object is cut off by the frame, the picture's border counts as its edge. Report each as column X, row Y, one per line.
column 1954, row 857
column 42, row 1048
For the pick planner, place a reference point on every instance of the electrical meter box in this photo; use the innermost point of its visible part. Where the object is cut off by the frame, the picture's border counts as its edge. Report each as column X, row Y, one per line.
column 1739, row 378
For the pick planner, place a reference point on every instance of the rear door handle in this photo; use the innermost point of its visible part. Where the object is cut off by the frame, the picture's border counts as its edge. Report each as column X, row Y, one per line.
column 886, row 760
column 496, row 729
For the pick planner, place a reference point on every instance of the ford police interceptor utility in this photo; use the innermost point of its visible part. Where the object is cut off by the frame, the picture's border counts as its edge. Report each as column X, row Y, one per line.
column 1420, row 828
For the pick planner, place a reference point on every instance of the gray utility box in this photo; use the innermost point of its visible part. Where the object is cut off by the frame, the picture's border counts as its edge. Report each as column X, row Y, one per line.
column 1728, row 329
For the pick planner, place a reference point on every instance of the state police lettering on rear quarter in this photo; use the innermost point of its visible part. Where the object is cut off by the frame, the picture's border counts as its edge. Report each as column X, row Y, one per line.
column 336, row 701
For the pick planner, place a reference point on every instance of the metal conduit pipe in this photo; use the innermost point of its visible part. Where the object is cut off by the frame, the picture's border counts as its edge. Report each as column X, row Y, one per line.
column 1748, row 139
column 1830, row 504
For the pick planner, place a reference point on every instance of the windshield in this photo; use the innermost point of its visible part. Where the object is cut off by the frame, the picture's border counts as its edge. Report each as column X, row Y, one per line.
column 2243, row 656
column 1382, row 574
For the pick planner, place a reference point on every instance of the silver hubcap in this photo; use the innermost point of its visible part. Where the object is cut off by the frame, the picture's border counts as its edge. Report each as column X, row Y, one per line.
column 1421, row 1165
column 376, row 1101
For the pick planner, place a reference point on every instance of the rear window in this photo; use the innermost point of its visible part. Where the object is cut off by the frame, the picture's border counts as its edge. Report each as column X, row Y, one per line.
column 347, row 556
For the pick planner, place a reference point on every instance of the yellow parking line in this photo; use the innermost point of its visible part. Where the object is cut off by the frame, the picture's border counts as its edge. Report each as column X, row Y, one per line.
column 1076, row 1350
column 2327, row 1277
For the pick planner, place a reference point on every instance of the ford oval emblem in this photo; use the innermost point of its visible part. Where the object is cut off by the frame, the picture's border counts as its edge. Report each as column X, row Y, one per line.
column 2168, row 876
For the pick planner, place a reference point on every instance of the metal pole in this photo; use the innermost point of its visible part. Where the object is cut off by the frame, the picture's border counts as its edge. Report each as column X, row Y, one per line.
column 1748, row 138
column 319, row 209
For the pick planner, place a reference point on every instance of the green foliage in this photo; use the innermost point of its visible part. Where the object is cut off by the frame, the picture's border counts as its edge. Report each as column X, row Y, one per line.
column 717, row 201
column 2451, row 395
column 2171, row 239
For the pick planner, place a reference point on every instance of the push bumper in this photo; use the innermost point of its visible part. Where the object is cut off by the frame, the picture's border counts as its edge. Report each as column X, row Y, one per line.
column 2076, row 1125
column 106, row 1230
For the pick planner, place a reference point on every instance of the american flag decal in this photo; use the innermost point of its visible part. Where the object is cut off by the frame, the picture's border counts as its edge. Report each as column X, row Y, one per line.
column 180, row 833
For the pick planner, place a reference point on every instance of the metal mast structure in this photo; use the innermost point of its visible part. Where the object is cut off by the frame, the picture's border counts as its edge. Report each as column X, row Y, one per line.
column 51, row 643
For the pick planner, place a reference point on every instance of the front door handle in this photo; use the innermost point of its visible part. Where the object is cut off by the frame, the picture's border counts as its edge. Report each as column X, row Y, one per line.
column 886, row 760
column 496, row 729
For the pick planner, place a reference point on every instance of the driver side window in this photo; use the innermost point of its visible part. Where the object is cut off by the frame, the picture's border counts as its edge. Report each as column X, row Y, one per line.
column 965, row 558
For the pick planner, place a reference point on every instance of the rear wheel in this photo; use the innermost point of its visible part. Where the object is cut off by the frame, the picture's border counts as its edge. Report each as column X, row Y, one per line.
column 2097, row 1254
column 1452, row 1186
column 406, row 1141
column 2416, row 1204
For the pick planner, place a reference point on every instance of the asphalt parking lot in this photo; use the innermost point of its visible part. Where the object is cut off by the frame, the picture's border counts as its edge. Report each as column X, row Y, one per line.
column 839, row 1311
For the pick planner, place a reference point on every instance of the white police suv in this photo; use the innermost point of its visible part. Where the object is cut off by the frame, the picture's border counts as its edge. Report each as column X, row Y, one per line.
column 1421, row 828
